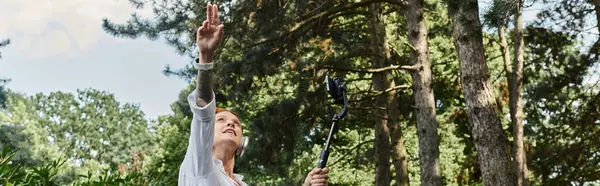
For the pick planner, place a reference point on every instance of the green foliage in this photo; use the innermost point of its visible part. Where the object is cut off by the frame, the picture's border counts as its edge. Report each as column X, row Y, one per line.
column 91, row 132
column 562, row 110
column 575, row 16
column 9, row 172
column 92, row 126
column 14, row 173
column 3, row 43
column 501, row 11
column 169, row 141
column 45, row 174
column 562, row 114
column 2, row 93
column 109, row 177
column 19, row 126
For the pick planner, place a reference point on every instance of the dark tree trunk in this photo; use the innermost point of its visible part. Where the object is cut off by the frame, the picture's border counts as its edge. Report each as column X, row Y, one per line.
column 490, row 139
column 381, row 81
column 429, row 153
column 399, row 156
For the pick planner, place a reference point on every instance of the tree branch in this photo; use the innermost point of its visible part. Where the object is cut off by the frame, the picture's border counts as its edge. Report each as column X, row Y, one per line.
column 379, row 93
column 326, row 14
column 375, row 70
column 350, row 151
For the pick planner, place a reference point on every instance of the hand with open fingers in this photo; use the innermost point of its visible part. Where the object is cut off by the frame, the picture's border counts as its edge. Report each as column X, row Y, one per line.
column 317, row 177
column 210, row 34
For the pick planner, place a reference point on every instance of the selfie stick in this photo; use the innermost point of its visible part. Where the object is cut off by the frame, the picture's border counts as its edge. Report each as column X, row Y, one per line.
column 337, row 90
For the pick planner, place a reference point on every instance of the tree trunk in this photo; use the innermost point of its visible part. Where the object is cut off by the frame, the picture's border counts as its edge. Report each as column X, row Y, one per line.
column 490, row 139
column 381, row 81
column 515, row 101
column 507, row 63
column 505, row 53
column 429, row 153
column 399, row 156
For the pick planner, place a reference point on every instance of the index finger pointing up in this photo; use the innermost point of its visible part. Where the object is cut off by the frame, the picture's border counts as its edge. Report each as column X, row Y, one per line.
column 209, row 13
column 215, row 10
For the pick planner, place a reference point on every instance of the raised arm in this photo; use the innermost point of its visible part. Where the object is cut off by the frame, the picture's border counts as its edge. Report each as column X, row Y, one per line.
column 197, row 161
column 208, row 38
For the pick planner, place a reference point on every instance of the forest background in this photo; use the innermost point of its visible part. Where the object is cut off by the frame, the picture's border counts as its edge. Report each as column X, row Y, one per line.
column 441, row 93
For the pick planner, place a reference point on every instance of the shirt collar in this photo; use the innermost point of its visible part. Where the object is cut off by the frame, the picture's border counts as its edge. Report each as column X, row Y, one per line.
column 238, row 177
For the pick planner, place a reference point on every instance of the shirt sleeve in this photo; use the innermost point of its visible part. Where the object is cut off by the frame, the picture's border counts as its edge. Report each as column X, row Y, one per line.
column 198, row 157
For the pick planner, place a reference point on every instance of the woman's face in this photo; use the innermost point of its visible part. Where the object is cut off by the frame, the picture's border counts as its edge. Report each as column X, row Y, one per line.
column 228, row 129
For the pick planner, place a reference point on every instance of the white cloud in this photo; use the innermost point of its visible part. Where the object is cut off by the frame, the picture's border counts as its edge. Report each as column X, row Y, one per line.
column 44, row 28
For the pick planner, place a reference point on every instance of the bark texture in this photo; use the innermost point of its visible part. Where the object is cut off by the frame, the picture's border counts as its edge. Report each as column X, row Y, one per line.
column 490, row 139
column 429, row 153
column 399, row 155
column 381, row 81
column 515, row 85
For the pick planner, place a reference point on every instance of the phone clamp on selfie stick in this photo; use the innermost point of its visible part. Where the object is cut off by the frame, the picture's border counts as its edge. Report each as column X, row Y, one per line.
column 337, row 90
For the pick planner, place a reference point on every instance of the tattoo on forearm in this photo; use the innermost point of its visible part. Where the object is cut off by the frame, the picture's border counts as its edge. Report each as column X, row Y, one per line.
column 204, row 88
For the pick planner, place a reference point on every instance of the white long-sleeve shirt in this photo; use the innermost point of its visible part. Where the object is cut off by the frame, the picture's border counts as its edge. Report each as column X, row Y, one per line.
column 199, row 167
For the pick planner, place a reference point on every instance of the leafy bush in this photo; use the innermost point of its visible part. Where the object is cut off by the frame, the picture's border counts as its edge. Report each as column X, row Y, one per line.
column 15, row 174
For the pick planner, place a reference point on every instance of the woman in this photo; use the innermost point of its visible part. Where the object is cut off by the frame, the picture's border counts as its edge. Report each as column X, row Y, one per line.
column 216, row 134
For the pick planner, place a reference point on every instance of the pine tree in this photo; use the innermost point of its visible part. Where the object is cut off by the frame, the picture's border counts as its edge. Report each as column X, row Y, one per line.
column 490, row 139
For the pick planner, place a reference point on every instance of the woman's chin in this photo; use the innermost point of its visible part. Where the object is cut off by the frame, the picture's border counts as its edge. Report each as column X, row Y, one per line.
column 226, row 140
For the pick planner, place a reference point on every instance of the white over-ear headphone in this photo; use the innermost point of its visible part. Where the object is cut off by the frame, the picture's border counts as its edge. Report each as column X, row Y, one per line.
column 243, row 144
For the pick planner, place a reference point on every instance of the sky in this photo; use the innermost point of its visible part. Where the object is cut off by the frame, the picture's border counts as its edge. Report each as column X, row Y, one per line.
column 59, row 45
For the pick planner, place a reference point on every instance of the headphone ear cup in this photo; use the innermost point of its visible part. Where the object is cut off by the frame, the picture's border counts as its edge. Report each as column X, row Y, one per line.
column 243, row 144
